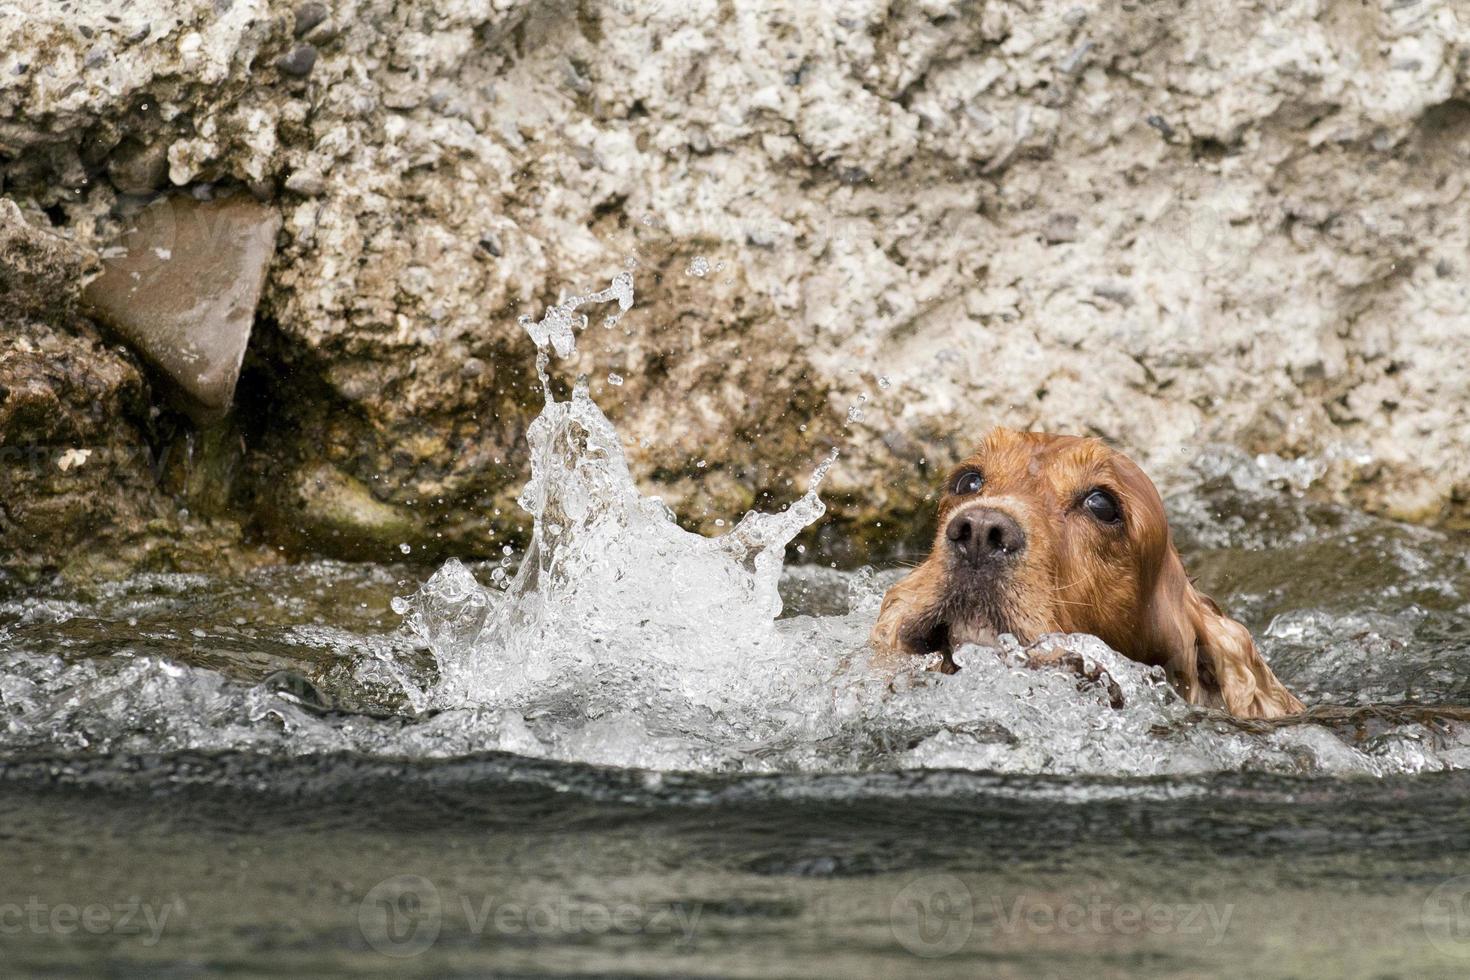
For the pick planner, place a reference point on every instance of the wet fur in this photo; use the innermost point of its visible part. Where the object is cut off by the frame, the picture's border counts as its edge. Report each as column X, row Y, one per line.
column 1124, row 584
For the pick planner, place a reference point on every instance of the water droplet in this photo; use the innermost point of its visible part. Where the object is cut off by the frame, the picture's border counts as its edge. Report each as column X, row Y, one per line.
column 854, row 414
column 883, row 383
column 405, row 547
column 719, row 522
column 506, row 550
column 699, row 267
column 615, row 379
column 702, row 464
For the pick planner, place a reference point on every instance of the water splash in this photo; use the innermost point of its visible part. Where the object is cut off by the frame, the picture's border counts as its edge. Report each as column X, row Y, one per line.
column 620, row 638
column 558, row 328
column 624, row 639
column 614, row 605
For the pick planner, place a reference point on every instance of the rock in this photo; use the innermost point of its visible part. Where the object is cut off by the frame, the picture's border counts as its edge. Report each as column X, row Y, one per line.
column 139, row 168
column 41, row 274
column 305, row 183
column 341, row 514
column 299, row 61
column 309, row 15
column 183, row 291
column 1267, row 250
column 1060, row 228
column 78, row 496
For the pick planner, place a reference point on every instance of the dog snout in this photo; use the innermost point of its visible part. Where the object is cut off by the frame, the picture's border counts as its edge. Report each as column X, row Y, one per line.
column 985, row 534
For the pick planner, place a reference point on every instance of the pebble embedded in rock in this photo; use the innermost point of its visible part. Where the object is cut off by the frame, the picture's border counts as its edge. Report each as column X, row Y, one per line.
column 1060, row 228
column 305, row 183
column 1162, row 125
column 184, row 290
column 298, row 61
column 138, row 168
column 308, row 15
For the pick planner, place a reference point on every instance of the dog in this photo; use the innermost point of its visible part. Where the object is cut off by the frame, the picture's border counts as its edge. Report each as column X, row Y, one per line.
column 1042, row 534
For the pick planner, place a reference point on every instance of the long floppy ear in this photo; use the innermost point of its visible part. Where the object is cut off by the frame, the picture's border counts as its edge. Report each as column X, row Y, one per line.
column 906, row 605
column 1210, row 657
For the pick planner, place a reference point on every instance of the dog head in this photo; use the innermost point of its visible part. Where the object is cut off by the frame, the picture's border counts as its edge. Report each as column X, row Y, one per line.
column 1046, row 534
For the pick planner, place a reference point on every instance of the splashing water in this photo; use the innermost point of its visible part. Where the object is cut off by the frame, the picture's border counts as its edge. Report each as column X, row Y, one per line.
column 621, row 639
column 617, row 615
column 624, row 639
column 560, row 325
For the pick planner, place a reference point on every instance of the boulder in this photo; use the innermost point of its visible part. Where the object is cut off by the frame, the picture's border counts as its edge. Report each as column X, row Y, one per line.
column 885, row 227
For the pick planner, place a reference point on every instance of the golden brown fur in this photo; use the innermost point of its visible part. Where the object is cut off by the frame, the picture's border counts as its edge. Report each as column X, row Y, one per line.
column 1050, row 565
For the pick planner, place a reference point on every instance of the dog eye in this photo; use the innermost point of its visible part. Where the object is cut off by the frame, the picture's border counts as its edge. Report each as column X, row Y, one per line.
column 968, row 483
column 1103, row 506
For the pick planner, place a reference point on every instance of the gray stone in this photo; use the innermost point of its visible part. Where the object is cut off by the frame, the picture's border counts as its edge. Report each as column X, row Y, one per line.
column 308, row 15
column 181, row 287
column 299, row 61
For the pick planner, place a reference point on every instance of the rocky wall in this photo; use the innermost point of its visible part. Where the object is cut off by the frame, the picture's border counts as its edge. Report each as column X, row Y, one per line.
column 1178, row 225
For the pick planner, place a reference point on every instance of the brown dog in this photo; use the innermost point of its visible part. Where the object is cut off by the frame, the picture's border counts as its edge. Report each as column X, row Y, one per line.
column 1058, row 534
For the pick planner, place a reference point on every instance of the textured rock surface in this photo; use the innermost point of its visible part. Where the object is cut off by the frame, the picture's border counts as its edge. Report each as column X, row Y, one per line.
column 78, row 490
column 1174, row 225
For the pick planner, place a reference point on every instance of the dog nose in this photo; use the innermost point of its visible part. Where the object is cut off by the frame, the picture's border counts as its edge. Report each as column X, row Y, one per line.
column 984, row 534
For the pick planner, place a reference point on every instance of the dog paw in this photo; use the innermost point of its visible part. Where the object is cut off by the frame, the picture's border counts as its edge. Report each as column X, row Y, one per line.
column 1089, row 675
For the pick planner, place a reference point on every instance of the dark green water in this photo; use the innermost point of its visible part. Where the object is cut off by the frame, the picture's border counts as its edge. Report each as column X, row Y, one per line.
column 338, row 866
